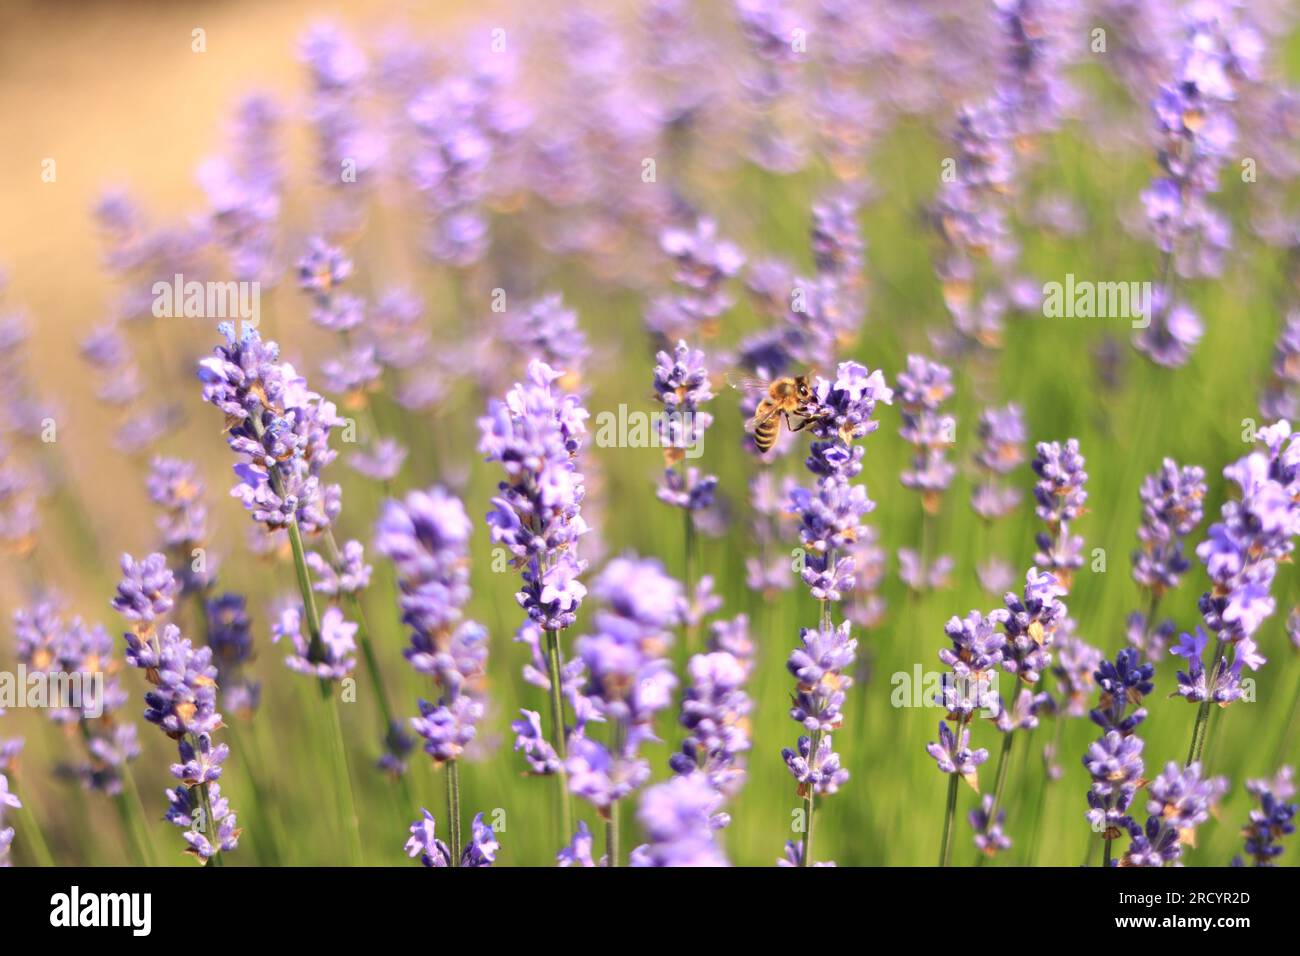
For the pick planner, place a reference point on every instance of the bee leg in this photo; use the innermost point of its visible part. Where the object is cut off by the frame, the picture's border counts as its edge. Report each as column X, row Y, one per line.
column 803, row 423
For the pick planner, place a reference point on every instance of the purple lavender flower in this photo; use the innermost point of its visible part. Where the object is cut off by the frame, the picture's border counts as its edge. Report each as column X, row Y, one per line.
column 1123, row 684
column 793, row 856
column 427, row 538
column 977, row 645
column 182, row 703
column 989, row 838
column 323, row 268
column 704, row 262
column 541, row 756
column 715, row 713
column 681, row 385
column 550, row 330
column 278, row 429
column 1171, row 510
column 629, row 680
column 207, row 833
column 1195, row 136
column 1060, row 495
column 535, row 434
column 602, row 776
column 971, row 216
column 1273, row 819
column 244, row 191
column 146, row 591
column 578, row 852
column 230, row 636
column 481, row 850
column 1031, row 625
column 45, row 643
column 1281, row 399
column 425, row 844
column 837, row 244
column 175, row 487
column 335, row 661
column 922, row 388
column 1240, row 556
column 1002, row 436
column 348, row 575
column 819, row 668
column 678, row 819
column 953, row 754
column 1115, row 764
column 1074, row 669
column 7, row 797
column 381, row 461
column 453, row 154
column 1180, row 801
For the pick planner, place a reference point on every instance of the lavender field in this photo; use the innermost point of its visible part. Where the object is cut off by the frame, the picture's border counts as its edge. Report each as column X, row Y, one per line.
column 656, row 434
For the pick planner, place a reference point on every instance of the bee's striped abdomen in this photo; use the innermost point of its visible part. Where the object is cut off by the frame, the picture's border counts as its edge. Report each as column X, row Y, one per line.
column 767, row 425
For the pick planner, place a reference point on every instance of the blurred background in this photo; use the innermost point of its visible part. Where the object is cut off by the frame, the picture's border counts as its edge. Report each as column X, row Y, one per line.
column 114, row 94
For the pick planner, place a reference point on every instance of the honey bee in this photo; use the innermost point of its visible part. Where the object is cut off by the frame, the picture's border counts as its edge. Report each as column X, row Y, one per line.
column 786, row 396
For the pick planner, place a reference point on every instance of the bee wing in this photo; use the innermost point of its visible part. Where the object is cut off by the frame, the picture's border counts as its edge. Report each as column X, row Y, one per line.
column 746, row 383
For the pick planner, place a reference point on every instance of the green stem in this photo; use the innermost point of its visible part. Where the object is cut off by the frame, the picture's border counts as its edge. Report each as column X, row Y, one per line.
column 692, row 629
column 343, row 782
column 1106, row 857
column 128, row 827
column 1004, row 764
column 1288, row 734
column 316, row 653
column 1035, row 829
column 557, row 730
column 945, row 847
column 135, row 809
column 270, row 838
column 33, row 837
column 1203, row 711
column 130, row 811
column 316, row 649
column 372, row 667
column 209, row 829
column 805, row 857
column 453, row 810
column 377, row 686
column 618, row 741
column 611, row 835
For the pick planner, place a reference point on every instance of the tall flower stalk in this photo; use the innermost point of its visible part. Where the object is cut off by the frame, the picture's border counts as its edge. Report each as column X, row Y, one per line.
column 1060, row 494
column 1030, row 623
column 1171, row 509
column 280, row 431
column 1240, row 556
column 976, row 652
column 681, row 385
column 182, row 705
column 535, row 435
column 830, row 523
column 629, row 680
column 922, row 388
column 1002, row 435
column 1196, row 135
column 1271, row 820
column 426, row 536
